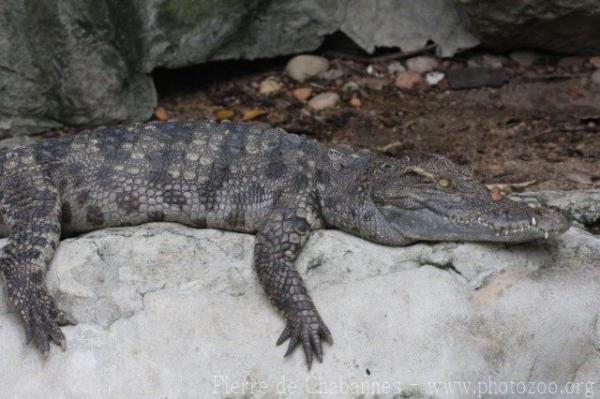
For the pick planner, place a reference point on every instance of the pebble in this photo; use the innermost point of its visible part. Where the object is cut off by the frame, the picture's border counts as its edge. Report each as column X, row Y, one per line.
column 350, row 86
column 524, row 58
column 303, row 67
column 269, row 86
column 596, row 77
column 487, row 60
column 408, row 80
column 332, row 74
column 595, row 61
column 421, row 64
column 355, row 102
column 395, row 67
column 323, row 101
column 433, row 78
column 302, row 93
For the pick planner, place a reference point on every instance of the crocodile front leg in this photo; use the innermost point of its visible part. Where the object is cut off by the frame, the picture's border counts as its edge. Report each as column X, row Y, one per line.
column 30, row 205
column 278, row 243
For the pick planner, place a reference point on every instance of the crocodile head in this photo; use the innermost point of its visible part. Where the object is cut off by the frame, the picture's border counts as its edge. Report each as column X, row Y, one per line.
column 428, row 198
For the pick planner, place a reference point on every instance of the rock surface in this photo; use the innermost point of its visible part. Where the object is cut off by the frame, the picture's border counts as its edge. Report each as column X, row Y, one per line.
column 169, row 311
column 565, row 26
column 82, row 62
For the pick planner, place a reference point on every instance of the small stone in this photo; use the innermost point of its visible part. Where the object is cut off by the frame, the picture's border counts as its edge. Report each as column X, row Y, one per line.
column 596, row 77
column 595, row 61
column 323, row 101
column 408, row 80
column 433, row 78
column 488, row 61
column 355, row 102
column 269, row 86
column 302, row 93
column 371, row 70
column 395, row 67
column 524, row 58
column 493, row 61
column 161, row 114
column 303, row 67
column 421, row 64
column 350, row 86
column 332, row 74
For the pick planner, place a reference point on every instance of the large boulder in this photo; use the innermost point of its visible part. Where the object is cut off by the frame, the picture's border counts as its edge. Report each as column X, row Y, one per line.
column 70, row 62
column 169, row 311
column 88, row 62
column 566, row 26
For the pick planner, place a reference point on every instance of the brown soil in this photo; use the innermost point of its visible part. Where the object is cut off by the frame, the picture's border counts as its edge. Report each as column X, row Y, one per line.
column 543, row 127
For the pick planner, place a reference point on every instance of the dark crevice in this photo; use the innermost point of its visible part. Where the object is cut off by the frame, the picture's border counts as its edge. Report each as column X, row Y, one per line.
column 593, row 227
column 170, row 82
column 447, row 266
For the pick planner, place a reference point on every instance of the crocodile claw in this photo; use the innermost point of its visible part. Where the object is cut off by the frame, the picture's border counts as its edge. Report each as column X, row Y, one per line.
column 307, row 329
column 42, row 320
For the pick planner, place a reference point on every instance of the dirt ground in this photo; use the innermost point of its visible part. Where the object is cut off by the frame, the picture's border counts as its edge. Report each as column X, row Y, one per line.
column 541, row 130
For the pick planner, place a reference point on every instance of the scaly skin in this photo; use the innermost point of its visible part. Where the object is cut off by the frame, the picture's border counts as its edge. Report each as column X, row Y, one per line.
column 235, row 177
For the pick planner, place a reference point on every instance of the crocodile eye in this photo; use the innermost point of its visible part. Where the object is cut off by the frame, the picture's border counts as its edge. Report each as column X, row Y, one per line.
column 443, row 183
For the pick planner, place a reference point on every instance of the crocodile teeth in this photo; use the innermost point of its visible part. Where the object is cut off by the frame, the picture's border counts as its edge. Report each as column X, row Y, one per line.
column 533, row 221
column 546, row 235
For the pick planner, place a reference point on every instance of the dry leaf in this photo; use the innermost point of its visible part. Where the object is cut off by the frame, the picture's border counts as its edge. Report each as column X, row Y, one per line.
column 496, row 193
column 253, row 114
column 161, row 114
column 224, row 114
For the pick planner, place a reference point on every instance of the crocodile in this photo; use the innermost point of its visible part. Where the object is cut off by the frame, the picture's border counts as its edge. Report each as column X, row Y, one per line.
column 243, row 178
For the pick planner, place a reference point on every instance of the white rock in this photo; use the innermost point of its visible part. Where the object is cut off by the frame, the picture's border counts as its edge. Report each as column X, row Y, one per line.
column 303, row 67
column 421, row 64
column 524, row 58
column 350, row 86
column 269, row 86
column 395, row 67
column 433, row 78
column 169, row 311
column 323, row 101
